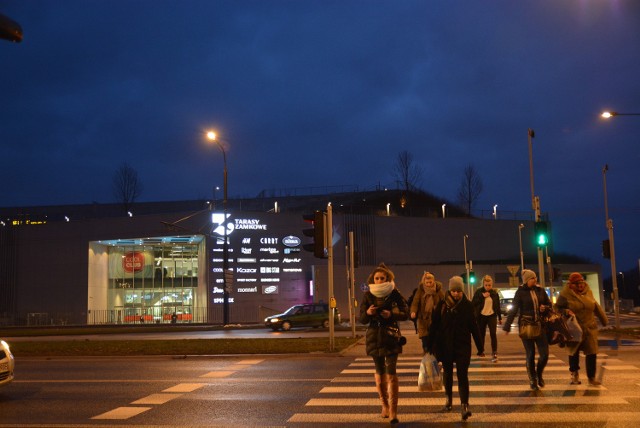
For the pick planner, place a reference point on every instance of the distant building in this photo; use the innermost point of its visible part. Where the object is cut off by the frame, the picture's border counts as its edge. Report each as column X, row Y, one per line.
column 162, row 262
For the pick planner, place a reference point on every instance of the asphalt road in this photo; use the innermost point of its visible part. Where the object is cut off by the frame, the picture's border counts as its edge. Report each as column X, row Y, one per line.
column 311, row 390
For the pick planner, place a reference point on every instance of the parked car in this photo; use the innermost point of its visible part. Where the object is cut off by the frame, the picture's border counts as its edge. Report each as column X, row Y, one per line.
column 506, row 305
column 7, row 363
column 305, row 315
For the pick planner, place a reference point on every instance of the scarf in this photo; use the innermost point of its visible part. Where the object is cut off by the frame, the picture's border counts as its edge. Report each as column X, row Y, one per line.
column 382, row 290
column 429, row 300
column 450, row 301
column 536, row 305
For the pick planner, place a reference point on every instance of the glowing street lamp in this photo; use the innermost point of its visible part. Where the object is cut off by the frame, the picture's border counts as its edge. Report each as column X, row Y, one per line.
column 610, row 114
column 225, row 245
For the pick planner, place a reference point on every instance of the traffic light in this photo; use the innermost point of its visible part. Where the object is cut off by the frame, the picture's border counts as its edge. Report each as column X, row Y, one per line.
column 542, row 235
column 317, row 247
column 606, row 249
column 472, row 277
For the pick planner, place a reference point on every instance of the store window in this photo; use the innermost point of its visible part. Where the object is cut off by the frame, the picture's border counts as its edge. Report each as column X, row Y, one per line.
column 153, row 280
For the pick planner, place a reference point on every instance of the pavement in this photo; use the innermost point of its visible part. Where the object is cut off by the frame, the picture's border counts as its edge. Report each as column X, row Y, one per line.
column 508, row 344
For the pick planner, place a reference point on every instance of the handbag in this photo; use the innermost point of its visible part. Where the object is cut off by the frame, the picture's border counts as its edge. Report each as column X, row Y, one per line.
column 574, row 329
column 528, row 328
column 393, row 331
column 429, row 375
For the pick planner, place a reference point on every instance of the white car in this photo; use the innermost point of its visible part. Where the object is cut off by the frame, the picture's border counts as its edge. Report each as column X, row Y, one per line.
column 7, row 363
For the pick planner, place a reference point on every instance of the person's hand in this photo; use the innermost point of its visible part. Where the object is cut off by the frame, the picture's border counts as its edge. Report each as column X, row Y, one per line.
column 543, row 308
column 413, row 315
column 372, row 310
column 485, row 294
column 570, row 313
column 499, row 322
column 385, row 313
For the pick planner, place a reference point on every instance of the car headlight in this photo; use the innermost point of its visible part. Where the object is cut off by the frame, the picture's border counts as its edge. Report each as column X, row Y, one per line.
column 274, row 320
column 509, row 307
column 4, row 345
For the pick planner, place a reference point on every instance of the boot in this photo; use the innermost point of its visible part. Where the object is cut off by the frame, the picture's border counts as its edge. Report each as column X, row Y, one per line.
column 381, row 387
column 575, row 378
column 540, row 380
column 393, row 398
column 594, row 382
column 465, row 412
column 447, row 404
column 533, row 379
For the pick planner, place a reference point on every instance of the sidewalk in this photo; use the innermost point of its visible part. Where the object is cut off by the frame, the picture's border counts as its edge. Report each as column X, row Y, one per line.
column 508, row 344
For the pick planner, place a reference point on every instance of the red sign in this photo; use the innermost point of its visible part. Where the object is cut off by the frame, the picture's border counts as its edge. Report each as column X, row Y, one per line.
column 133, row 262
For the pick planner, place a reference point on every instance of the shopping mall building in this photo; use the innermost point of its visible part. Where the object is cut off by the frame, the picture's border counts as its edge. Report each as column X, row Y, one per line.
column 163, row 262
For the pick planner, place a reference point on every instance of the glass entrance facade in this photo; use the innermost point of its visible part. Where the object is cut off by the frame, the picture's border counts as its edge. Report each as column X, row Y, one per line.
column 148, row 280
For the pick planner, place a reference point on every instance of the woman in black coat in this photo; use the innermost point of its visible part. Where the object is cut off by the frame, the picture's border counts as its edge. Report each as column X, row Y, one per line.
column 531, row 302
column 382, row 307
column 452, row 327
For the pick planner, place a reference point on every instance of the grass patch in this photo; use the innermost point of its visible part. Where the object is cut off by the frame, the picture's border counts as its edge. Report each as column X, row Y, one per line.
column 177, row 347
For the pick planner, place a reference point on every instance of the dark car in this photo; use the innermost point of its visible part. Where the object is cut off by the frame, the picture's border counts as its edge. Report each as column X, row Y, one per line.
column 506, row 305
column 305, row 315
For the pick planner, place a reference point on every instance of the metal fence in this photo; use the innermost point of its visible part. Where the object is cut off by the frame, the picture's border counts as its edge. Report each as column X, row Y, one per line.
column 197, row 315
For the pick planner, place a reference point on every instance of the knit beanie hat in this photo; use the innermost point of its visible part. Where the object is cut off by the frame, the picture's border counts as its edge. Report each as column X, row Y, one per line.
column 456, row 283
column 527, row 275
column 575, row 278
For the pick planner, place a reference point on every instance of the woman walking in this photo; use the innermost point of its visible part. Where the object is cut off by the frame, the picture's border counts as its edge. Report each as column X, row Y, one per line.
column 576, row 298
column 450, row 334
column 381, row 308
column 429, row 293
column 531, row 301
column 486, row 304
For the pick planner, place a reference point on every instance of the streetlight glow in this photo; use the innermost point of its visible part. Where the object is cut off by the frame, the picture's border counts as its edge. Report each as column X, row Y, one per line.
column 211, row 135
column 608, row 114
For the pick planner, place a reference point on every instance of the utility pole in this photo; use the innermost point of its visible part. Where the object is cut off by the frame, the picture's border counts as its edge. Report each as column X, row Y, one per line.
column 535, row 203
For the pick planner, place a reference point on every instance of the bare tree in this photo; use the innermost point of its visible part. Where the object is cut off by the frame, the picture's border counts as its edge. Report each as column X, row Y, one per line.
column 470, row 189
column 408, row 174
column 126, row 186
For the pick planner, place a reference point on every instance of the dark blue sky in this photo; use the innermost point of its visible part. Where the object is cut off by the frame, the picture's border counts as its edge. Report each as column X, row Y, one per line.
column 327, row 93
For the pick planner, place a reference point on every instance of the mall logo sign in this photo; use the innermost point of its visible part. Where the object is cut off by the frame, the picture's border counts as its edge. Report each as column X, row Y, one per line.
column 291, row 241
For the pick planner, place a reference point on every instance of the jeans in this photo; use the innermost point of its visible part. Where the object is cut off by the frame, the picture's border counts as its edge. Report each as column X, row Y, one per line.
column 462, row 372
column 492, row 322
column 530, row 351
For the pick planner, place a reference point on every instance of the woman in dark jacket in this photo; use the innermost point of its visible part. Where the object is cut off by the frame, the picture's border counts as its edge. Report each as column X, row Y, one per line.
column 531, row 301
column 452, row 326
column 382, row 307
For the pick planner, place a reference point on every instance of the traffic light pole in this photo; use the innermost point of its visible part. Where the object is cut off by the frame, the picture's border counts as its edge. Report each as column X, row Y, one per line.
column 332, row 300
column 535, row 202
column 614, row 276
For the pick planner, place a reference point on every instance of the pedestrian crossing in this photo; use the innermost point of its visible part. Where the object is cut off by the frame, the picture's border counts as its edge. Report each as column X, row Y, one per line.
column 499, row 394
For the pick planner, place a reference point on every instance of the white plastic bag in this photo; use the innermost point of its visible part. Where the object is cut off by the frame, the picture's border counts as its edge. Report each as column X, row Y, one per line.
column 430, row 375
column 574, row 329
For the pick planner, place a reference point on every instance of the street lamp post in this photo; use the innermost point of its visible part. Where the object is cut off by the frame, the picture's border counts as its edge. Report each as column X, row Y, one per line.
column 226, row 277
column 614, row 277
column 466, row 263
column 535, row 203
column 520, row 227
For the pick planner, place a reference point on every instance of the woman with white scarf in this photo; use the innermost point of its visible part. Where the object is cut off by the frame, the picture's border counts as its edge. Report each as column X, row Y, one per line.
column 427, row 297
column 381, row 307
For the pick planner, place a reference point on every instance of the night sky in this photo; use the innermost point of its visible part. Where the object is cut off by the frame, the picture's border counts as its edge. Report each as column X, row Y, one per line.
column 307, row 94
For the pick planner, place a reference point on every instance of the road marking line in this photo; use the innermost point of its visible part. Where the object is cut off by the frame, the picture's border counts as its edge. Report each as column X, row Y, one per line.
column 250, row 361
column 542, row 417
column 491, row 369
column 236, row 367
column 157, row 399
column 475, row 401
column 122, row 413
column 185, row 387
column 478, row 388
column 218, row 374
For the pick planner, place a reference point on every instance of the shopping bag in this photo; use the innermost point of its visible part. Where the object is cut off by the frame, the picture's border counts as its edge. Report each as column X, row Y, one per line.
column 574, row 328
column 429, row 376
column 556, row 328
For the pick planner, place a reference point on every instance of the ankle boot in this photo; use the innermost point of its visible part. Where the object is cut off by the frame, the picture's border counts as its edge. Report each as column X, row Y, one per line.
column 381, row 387
column 465, row 412
column 393, row 398
column 533, row 380
column 540, row 380
column 575, row 378
column 447, row 404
